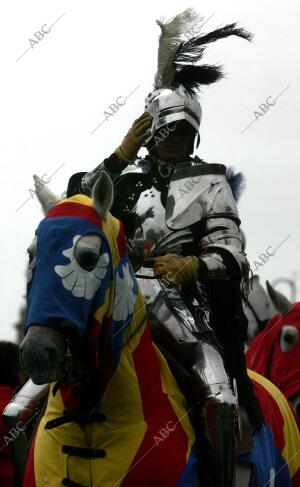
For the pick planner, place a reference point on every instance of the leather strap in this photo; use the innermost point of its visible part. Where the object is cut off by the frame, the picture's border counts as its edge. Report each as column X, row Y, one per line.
column 75, row 417
column 89, row 453
column 70, row 483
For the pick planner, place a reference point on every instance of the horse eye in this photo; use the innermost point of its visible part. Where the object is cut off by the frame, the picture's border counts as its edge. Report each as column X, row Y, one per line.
column 87, row 259
column 87, row 251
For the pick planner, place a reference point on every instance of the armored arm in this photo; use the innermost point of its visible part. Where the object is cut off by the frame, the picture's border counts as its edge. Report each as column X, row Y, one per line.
column 125, row 154
column 200, row 197
column 113, row 165
column 222, row 251
column 82, row 182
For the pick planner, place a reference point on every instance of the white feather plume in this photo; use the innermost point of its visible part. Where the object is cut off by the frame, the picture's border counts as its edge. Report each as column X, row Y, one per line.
column 172, row 32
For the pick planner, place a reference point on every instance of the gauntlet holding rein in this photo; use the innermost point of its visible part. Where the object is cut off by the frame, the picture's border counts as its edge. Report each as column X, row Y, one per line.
column 176, row 269
column 134, row 139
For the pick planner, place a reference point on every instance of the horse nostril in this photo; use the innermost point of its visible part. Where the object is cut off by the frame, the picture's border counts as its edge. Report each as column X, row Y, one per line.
column 44, row 356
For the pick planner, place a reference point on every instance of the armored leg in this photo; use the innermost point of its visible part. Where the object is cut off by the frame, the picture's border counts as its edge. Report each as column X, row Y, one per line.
column 217, row 403
column 219, row 408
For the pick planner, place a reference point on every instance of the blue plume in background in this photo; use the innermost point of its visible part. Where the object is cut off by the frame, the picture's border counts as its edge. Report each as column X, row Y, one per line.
column 237, row 182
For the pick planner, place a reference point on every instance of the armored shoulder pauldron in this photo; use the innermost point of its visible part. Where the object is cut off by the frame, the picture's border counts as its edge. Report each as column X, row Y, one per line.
column 198, row 191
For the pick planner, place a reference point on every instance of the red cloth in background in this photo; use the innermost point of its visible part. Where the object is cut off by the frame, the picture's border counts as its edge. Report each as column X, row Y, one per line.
column 6, row 457
column 266, row 357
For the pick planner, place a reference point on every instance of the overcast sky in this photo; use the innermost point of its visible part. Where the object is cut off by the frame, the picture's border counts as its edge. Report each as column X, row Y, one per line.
column 55, row 90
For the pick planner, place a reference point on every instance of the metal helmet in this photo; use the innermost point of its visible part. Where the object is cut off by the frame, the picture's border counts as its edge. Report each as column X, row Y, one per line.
column 178, row 77
column 167, row 106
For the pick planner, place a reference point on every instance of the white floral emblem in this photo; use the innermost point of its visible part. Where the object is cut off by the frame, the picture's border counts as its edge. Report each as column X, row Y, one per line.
column 81, row 283
column 125, row 297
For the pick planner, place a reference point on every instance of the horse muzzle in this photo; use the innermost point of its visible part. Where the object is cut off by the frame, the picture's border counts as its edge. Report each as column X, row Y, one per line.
column 41, row 353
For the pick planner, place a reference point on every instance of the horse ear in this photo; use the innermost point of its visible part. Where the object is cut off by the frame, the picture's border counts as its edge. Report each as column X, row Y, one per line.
column 103, row 194
column 281, row 303
column 44, row 195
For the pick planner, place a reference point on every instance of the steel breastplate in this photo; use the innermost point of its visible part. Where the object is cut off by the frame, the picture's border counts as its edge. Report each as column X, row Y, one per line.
column 152, row 237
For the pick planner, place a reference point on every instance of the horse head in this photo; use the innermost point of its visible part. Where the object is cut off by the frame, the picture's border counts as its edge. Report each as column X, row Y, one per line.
column 76, row 250
column 275, row 351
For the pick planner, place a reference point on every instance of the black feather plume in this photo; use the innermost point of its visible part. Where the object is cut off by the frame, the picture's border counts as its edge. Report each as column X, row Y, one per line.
column 191, row 51
column 227, row 30
column 189, row 76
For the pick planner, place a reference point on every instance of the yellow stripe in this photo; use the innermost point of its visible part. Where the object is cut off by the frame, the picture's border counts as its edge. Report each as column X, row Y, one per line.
column 291, row 451
column 106, row 308
column 50, row 464
column 78, row 198
column 111, row 228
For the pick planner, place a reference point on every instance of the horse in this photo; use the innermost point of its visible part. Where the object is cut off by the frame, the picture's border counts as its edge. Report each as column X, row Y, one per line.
column 274, row 352
column 115, row 414
column 258, row 309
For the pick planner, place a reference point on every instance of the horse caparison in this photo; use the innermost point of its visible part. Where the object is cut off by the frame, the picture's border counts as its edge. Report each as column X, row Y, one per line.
column 115, row 414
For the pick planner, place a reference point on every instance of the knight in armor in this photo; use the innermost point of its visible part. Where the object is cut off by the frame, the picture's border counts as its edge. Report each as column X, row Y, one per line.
column 182, row 228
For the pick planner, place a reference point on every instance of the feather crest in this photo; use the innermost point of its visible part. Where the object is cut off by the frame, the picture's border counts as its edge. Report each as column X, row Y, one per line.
column 192, row 51
column 169, row 41
column 177, row 58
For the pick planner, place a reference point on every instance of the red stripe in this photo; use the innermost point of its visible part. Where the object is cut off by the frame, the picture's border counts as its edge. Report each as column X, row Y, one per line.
column 121, row 241
column 156, row 463
column 71, row 397
column 76, row 210
column 296, row 479
column 271, row 413
column 105, row 355
column 92, row 343
column 97, row 355
column 29, row 478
